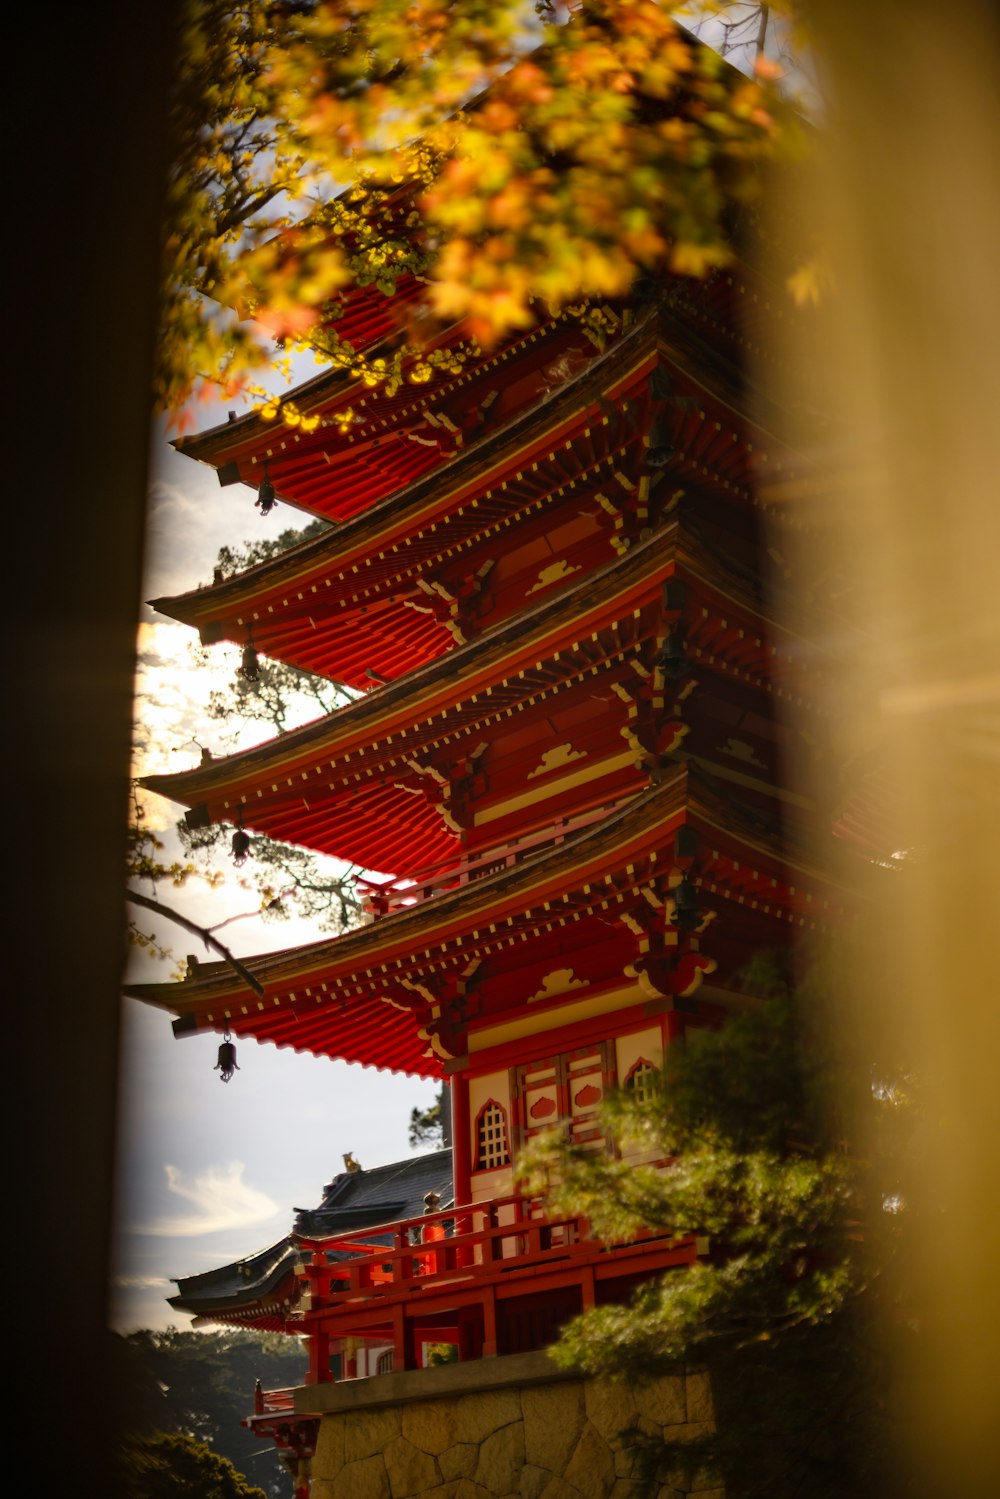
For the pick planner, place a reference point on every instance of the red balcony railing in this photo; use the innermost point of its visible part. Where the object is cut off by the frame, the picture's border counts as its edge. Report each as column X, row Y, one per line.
column 495, row 1277
column 382, row 898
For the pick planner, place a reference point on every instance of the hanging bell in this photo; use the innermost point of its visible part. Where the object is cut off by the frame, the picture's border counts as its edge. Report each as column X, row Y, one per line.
column 672, row 660
column 249, row 665
column 241, row 846
column 226, row 1064
column 660, row 448
column 266, row 497
column 685, row 905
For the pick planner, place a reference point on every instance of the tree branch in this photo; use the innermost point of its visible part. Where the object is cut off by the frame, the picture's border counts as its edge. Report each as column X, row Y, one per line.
column 198, row 931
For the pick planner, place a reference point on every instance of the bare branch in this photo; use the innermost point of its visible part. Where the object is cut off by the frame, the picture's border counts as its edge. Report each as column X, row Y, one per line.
column 198, row 931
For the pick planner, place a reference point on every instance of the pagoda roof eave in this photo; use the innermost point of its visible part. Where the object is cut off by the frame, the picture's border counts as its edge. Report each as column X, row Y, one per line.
column 492, row 655
column 414, row 927
column 343, row 538
column 214, row 442
column 467, row 672
column 639, row 833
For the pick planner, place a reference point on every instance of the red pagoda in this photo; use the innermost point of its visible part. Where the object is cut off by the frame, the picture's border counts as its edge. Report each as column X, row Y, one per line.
column 563, row 773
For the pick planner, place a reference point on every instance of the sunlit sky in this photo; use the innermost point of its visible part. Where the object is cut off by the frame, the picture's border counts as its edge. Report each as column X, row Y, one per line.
column 210, row 1172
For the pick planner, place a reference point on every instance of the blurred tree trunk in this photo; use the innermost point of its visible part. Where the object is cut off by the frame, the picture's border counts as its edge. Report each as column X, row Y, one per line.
column 907, row 197
column 85, row 225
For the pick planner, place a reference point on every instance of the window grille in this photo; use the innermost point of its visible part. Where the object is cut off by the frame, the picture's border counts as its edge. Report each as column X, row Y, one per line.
column 641, row 1081
column 383, row 1364
column 492, row 1148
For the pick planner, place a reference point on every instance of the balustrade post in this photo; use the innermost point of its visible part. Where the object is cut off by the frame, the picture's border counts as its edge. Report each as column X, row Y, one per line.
column 402, row 1338
column 489, row 1323
column 319, row 1358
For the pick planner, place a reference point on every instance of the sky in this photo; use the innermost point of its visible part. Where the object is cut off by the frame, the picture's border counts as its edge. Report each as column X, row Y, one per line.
column 209, row 1172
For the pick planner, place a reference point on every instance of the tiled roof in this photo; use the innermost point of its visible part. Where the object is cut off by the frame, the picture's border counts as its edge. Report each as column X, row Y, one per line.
column 356, row 1199
column 384, row 1194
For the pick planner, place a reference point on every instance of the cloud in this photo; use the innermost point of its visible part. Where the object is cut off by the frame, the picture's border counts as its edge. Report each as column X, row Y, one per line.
column 141, row 1282
column 218, row 1197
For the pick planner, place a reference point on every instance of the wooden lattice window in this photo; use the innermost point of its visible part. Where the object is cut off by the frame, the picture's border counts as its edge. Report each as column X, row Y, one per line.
column 383, row 1364
column 642, row 1081
column 492, row 1138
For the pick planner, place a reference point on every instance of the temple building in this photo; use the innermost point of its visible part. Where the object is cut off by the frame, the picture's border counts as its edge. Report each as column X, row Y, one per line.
column 564, row 773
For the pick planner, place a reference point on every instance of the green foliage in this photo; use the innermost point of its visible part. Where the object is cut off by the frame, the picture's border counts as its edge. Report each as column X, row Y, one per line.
column 238, row 559
column 168, row 1465
column 427, row 1125
column 201, row 1384
column 441, row 1353
column 802, row 1233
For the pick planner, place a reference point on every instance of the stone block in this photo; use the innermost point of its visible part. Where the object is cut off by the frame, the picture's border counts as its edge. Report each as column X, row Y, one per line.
column 553, row 1420
column 466, row 1488
column 368, row 1431
column 533, row 1481
column 329, row 1458
column 699, row 1397
column 611, row 1407
column 591, row 1469
column 478, row 1416
column 678, row 1475
column 626, row 1462
column 501, row 1458
column 664, row 1402
column 458, row 1461
column 430, row 1426
column 366, row 1479
column 410, row 1470
column 558, row 1488
column 629, row 1488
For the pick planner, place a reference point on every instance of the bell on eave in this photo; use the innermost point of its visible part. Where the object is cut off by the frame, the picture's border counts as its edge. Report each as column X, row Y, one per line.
column 661, row 448
column 240, row 846
column 673, row 660
column 266, row 497
column 249, row 665
column 226, row 1064
column 685, row 904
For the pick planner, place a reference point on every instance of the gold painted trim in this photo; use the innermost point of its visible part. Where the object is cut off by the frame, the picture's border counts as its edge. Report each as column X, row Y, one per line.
column 541, row 793
column 535, row 1021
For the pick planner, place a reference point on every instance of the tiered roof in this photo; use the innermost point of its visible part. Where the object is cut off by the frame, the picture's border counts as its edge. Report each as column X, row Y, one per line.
column 559, row 594
column 362, row 783
column 593, row 903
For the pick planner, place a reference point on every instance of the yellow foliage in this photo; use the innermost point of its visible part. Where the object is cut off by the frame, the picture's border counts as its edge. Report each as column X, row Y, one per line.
column 337, row 144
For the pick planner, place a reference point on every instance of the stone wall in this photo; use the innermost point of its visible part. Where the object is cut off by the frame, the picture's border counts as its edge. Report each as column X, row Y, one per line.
column 531, row 1434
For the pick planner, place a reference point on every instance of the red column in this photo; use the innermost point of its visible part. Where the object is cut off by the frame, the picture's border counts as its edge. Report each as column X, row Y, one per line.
column 461, row 1146
column 319, row 1358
